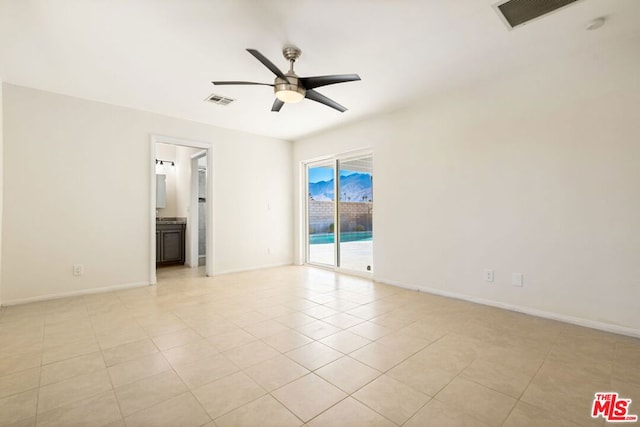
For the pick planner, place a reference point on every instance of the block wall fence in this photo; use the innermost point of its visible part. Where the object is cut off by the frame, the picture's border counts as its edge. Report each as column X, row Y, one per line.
column 354, row 216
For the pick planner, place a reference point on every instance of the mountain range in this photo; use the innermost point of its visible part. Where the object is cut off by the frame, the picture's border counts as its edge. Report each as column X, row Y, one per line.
column 356, row 187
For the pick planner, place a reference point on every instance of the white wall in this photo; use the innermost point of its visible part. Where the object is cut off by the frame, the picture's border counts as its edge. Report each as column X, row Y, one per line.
column 183, row 179
column 1, row 182
column 77, row 191
column 535, row 174
column 178, row 178
column 167, row 152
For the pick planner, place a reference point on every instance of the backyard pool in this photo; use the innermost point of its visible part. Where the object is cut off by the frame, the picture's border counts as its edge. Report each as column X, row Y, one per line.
column 351, row 236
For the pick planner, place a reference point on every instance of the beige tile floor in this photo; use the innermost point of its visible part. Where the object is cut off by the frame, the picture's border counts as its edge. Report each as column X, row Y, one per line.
column 298, row 346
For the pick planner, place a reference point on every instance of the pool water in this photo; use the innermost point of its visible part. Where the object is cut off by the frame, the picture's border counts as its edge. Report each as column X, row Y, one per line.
column 350, row 236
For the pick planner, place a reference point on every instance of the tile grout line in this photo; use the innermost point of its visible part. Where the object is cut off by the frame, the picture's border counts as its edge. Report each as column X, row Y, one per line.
column 533, row 377
column 44, row 326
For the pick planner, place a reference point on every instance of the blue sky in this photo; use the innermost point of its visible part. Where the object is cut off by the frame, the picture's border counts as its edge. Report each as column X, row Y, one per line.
column 325, row 174
column 320, row 174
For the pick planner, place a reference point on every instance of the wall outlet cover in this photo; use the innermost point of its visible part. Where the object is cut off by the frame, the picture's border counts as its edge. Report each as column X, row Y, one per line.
column 78, row 270
column 488, row 275
column 517, row 279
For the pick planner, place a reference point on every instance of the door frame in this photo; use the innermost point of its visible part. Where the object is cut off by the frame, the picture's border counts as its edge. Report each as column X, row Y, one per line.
column 194, row 217
column 331, row 162
column 209, row 149
column 304, row 232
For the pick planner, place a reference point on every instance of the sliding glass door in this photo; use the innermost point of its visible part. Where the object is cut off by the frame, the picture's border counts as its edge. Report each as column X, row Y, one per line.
column 321, row 208
column 340, row 213
column 355, row 210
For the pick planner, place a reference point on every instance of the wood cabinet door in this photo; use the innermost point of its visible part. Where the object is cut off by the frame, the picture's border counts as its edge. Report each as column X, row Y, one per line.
column 172, row 246
column 158, row 247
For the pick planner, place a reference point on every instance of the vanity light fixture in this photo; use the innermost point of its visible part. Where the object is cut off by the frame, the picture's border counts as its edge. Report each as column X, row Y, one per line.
column 162, row 166
column 162, row 162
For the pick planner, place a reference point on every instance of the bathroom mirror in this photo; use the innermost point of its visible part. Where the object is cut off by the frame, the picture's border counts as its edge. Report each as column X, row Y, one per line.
column 161, row 191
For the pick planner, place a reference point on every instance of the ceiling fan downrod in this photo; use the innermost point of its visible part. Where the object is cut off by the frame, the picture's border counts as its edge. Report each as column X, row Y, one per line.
column 291, row 54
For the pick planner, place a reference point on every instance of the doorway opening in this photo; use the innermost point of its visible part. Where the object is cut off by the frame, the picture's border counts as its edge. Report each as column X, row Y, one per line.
column 339, row 213
column 181, row 223
column 198, row 216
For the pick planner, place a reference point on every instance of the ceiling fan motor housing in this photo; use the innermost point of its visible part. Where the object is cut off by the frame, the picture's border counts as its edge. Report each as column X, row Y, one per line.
column 290, row 91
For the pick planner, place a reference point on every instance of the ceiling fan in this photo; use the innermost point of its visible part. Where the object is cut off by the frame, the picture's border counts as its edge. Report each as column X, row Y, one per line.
column 290, row 88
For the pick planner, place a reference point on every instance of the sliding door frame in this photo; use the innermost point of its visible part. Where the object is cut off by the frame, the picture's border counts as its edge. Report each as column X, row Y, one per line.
column 327, row 161
column 335, row 161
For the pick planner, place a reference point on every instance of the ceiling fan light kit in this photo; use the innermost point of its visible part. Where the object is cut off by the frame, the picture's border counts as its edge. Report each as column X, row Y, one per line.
column 289, row 92
column 289, row 88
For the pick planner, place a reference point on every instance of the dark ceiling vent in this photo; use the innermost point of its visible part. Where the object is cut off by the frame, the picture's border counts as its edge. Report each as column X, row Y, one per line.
column 219, row 99
column 519, row 12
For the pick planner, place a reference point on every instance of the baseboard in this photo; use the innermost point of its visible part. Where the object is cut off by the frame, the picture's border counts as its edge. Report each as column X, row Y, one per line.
column 242, row 270
column 73, row 293
column 355, row 273
column 593, row 324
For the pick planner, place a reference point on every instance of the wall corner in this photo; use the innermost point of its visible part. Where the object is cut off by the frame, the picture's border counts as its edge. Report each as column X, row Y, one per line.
column 1, row 182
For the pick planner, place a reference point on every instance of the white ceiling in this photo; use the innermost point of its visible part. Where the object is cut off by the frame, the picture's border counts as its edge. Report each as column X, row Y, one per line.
column 161, row 55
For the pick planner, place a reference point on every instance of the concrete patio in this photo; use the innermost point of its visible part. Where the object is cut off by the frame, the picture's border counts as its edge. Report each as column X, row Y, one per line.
column 355, row 255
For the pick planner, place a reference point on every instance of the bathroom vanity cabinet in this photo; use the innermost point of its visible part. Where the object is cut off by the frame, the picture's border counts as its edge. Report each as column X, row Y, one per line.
column 170, row 243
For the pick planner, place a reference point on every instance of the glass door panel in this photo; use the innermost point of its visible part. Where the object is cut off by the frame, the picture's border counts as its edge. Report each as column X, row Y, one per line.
column 355, row 210
column 321, row 216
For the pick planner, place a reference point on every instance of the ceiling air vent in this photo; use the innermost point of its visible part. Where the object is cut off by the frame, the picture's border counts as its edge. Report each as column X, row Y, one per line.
column 519, row 12
column 219, row 99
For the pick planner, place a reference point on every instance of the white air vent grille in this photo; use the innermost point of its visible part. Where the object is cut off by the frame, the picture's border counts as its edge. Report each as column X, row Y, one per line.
column 519, row 12
column 219, row 99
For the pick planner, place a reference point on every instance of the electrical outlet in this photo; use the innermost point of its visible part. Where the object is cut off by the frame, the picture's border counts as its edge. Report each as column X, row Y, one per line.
column 488, row 275
column 268, row 250
column 517, row 279
column 78, row 270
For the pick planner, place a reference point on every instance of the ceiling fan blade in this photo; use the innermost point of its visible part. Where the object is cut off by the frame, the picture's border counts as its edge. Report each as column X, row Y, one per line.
column 270, row 65
column 240, row 83
column 277, row 105
column 318, row 97
column 314, row 82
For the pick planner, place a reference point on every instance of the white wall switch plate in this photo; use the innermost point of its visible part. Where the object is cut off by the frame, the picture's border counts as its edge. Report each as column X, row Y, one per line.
column 517, row 279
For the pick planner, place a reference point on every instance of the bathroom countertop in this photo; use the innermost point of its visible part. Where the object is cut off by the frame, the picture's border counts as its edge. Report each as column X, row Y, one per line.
column 171, row 220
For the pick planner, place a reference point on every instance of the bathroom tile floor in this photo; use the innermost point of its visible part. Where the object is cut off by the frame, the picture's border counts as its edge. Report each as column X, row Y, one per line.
column 296, row 346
